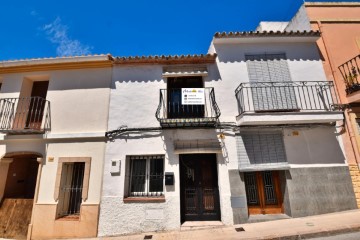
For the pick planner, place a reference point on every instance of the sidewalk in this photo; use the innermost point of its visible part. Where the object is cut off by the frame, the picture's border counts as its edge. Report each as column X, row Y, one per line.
column 294, row 228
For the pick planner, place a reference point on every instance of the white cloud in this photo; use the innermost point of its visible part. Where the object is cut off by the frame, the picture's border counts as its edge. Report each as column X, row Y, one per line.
column 33, row 13
column 58, row 34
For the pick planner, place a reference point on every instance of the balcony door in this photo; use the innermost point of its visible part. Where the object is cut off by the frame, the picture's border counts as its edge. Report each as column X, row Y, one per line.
column 270, row 81
column 263, row 192
column 174, row 105
column 37, row 105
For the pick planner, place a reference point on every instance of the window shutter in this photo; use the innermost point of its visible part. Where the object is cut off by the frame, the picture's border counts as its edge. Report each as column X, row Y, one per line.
column 267, row 68
column 260, row 148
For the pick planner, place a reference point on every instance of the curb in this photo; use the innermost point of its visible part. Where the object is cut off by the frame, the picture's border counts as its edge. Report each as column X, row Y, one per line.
column 315, row 234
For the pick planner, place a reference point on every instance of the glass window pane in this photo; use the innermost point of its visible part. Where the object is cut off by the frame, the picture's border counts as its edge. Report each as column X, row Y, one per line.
column 138, row 175
column 156, row 175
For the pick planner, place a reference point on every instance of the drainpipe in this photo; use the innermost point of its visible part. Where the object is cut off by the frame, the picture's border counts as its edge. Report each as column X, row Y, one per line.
column 348, row 125
column 36, row 196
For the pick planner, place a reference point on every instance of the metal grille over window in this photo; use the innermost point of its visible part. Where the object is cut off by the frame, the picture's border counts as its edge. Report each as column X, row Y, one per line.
column 71, row 188
column 270, row 196
column 146, row 176
column 251, row 189
column 259, row 150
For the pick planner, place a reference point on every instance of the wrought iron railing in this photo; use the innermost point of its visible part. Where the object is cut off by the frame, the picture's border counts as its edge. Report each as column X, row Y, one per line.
column 350, row 72
column 24, row 115
column 172, row 113
column 286, row 96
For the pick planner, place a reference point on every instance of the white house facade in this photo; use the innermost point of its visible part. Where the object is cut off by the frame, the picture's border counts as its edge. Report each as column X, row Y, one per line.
column 289, row 151
column 250, row 128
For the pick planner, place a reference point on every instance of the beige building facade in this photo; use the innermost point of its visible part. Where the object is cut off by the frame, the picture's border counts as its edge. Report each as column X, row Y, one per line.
column 53, row 122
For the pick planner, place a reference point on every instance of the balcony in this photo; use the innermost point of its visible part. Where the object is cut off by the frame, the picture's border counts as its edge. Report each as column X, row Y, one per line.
column 267, row 103
column 29, row 115
column 171, row 113
column 350, row 72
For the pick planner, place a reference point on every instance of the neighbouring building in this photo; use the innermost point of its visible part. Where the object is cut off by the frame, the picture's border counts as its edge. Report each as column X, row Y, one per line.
column 248, row 129
column 339, row 46
column 53, row 119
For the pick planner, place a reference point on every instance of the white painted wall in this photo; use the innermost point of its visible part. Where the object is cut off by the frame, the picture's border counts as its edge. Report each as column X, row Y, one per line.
column 313, row 145
column 303, row 61
column 271, row 26
column 300, row 22
column 134, row 99
column 117, row 217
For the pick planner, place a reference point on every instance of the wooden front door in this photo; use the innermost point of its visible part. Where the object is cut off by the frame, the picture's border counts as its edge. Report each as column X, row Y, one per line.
column 263, row 192
column 199, row 187
column 17, row 204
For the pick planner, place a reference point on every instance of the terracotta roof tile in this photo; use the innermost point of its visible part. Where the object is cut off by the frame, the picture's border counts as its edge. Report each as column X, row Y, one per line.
column 167, row 59
column 51, row 59
column 266, row 34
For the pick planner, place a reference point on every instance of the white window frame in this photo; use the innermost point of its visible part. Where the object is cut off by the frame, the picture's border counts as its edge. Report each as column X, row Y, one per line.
column 147, row 192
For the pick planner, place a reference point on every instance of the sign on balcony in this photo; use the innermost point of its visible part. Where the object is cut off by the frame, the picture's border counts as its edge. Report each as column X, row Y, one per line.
column 193, row 96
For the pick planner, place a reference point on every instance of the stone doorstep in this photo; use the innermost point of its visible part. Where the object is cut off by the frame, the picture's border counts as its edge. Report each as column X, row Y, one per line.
column 199, row 225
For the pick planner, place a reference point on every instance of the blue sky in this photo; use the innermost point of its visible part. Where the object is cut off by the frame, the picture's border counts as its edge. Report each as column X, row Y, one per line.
column 33, row 29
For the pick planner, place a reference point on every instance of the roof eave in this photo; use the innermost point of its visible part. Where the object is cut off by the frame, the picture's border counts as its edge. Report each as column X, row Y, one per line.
column 165, row 60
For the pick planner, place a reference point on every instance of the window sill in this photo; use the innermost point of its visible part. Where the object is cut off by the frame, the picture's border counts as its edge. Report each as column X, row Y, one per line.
column 69, row 218
column 144, row 199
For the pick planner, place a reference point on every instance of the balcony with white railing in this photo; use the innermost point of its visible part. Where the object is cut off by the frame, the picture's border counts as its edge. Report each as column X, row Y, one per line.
column 267, row 103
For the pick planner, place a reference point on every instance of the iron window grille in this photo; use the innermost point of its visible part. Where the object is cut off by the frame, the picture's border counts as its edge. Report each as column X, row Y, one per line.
column 146, row 176
column 71, row 188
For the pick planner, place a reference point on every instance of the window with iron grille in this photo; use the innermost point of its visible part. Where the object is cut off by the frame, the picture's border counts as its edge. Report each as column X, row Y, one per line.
column 146, row 176
column 71, row 188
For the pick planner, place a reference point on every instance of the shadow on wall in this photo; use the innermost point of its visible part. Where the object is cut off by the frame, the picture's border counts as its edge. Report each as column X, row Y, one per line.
column 153, row 73
column 60, row 80
column 135, row 134
column 294, row 51
column 191, row 135
column 136, row 74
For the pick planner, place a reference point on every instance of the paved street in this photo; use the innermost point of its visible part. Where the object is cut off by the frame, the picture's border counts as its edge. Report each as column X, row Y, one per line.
column 307, row 227
column 346, row 236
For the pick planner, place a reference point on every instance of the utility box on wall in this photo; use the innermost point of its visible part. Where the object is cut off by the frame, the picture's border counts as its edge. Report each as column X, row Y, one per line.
column 115, row 167
column 169, row 178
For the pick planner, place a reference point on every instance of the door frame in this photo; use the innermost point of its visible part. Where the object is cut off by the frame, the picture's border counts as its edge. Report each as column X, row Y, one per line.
column 262, row 208
column 174, row 85
column 210, row 159
column 12, row 156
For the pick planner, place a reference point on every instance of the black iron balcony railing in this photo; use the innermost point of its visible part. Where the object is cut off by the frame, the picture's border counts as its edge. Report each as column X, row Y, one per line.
column 24, row 115
column 172, row 113
column 350, row 72
column 286, row 96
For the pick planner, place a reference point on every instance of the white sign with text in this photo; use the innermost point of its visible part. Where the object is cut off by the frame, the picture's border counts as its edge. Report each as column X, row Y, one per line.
column 193, row 96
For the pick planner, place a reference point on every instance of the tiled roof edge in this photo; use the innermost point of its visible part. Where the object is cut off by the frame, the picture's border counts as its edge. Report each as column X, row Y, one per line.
column 267, row 34
column 90, row 57
column 332, row 4
column 167, row 59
